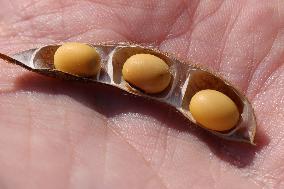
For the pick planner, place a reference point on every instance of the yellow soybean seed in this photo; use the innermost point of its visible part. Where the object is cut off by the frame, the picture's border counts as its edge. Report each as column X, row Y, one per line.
column 77, row 59
column 214, row 110
column 147, row 72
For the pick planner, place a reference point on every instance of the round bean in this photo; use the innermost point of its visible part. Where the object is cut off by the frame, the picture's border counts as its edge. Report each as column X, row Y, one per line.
column 147, row 72
column 77, row 59
column 214, row 110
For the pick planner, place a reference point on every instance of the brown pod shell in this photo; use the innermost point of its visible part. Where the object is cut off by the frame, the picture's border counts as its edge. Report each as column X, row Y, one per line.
column 186, row 81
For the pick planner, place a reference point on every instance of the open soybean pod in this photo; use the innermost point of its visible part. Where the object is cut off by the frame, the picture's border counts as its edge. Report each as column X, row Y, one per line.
column 186, row 80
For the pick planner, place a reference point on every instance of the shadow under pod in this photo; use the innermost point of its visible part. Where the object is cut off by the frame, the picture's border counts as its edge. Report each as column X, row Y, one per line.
column 111, row 101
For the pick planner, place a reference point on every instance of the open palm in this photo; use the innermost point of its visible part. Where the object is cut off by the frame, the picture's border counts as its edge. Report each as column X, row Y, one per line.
column 57, row 134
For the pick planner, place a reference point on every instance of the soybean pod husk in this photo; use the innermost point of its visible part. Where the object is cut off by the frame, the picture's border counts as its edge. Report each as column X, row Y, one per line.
column 187, row 80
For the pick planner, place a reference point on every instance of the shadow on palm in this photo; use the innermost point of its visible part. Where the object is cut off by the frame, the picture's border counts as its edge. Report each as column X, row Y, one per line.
column 111, row 101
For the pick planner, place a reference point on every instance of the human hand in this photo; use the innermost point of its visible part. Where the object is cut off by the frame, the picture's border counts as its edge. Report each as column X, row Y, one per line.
column 56, row 134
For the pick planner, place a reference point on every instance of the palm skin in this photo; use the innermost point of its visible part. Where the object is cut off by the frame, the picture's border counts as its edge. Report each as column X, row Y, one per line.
column 56, row 134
